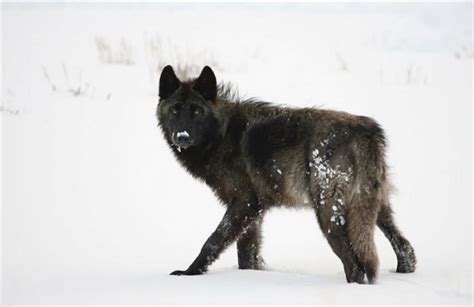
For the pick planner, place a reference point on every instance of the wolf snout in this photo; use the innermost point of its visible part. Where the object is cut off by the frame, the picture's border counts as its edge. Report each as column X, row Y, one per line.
column 182, row 139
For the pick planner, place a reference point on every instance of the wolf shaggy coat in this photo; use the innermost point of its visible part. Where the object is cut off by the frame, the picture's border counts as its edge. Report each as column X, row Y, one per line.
column 256, row 155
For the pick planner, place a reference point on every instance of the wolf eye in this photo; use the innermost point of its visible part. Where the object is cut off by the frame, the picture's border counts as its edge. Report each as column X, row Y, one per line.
column 173, row 111
column 197, row 111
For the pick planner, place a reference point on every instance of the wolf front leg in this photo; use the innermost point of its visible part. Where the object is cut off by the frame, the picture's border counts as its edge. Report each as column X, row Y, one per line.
column 248, row 246
column 232, row 225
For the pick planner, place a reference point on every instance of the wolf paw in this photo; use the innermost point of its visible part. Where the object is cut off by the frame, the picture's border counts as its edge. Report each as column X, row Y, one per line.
column 406, row 266
column 406, row 260
column 255, row 264
column 186, row 272
column 357, row 276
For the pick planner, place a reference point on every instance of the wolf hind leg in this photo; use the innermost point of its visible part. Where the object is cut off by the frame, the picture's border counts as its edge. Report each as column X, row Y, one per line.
column 248, row 247
column 406, row 259
column 338, row 240
column 361, row 220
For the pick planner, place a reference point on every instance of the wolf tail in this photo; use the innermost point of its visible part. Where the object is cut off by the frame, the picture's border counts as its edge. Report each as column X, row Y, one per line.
column 405, row 253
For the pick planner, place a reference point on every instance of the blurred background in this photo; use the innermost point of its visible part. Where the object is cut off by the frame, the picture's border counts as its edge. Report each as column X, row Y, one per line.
column 97, row 211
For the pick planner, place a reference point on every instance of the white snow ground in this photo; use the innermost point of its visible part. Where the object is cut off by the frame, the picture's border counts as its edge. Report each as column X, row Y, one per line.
column 94, row 210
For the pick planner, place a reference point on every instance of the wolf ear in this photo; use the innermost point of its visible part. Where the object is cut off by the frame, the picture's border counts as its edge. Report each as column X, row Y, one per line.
column 206, row 84
column 169, row 83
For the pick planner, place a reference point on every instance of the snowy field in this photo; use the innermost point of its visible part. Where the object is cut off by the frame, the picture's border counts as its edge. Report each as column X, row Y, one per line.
column 97, row 211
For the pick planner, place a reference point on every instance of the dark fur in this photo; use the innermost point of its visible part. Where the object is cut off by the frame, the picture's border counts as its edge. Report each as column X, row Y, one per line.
column 255, row 156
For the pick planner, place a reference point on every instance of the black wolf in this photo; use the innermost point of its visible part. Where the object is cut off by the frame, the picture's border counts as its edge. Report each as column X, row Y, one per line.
column 255, row 155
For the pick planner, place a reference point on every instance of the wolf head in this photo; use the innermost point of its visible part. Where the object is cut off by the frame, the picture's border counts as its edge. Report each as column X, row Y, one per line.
column 186, row 109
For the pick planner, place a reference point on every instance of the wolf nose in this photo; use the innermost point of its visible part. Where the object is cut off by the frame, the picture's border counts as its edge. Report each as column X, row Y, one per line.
column 182, row 138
